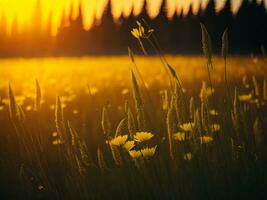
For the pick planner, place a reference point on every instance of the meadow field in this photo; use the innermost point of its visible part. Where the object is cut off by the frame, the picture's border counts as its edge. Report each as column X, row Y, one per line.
column 122, row 128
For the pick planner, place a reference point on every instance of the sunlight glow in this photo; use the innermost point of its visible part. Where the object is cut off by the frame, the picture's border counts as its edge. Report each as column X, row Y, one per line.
column 28, row 15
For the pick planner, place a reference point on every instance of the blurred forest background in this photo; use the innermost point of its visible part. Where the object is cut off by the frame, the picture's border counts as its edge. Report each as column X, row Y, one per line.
column 177, row 35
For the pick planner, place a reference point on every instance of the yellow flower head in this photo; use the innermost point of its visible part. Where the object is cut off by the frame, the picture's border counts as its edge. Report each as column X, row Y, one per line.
column 187, row 126
column 135, row 32
column 129, row 145
column 188, row 156
column 141, row 32
column 215, row 127
column 120, row 140
column 210, row 91
column 205, row 139
column 205, row 91
column 135, row 154
column 180, row 136
column 214, row 112
column 142, row 136
column 148, row 152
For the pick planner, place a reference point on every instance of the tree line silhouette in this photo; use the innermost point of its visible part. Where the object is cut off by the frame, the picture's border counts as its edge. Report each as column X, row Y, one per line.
column 180, row 34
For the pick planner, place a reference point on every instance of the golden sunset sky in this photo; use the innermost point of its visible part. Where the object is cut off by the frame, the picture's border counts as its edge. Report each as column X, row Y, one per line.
column 22, row 12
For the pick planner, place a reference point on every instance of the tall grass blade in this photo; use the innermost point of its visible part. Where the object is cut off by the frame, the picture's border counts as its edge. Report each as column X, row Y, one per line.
column 105, row 122
column 59, row 119
column 131, row 123
column 122, row 127
column 101, row 161
column 38, row 98
column 138, row 104
column 171, row 127
column 206, row 45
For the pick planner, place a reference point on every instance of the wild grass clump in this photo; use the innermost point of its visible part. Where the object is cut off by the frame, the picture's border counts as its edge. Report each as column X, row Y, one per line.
column 161, row 141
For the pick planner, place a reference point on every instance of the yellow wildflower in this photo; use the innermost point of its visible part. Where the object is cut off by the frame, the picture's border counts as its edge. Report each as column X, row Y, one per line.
column 205, row 139
column 135, row 154
column 214, row 112
column 215, row 127
column 142, row 136
column 187, row 126
column 188, row 156
column 135, row 33
column 119, row 141
column 148, row 152
column 54, row 134
column 180, row 136
column 129, row 145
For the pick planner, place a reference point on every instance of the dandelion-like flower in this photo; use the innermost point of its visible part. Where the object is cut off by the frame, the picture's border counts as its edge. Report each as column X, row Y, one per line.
column 129, row 145
column 215, row 127
column 187, row 126
column 143, row 136
column 135, row 154
column 119, row 141
column 180, row 136
column 148, row 152
column 205, row 139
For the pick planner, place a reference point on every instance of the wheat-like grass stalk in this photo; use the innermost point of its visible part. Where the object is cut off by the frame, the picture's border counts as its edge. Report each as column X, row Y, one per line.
column 180, row 104
column 106, row 127
column 20, row 114
column 225, row 50
column 205, row 116
column 171, row 127
column 101, row 161
column 131, row 123
column 236, row 115
column 59, row 119
column 206, row 45
column 116, row 154
column 38, row 98
column 80, row 148
column 197, row 121
column 256, row 86
column 225, row 44
column 131, row 54
column 105, row 122
column 16, row 113
column 12, row 104
column 122, row 127
column 192, row 108
column 138, row 104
